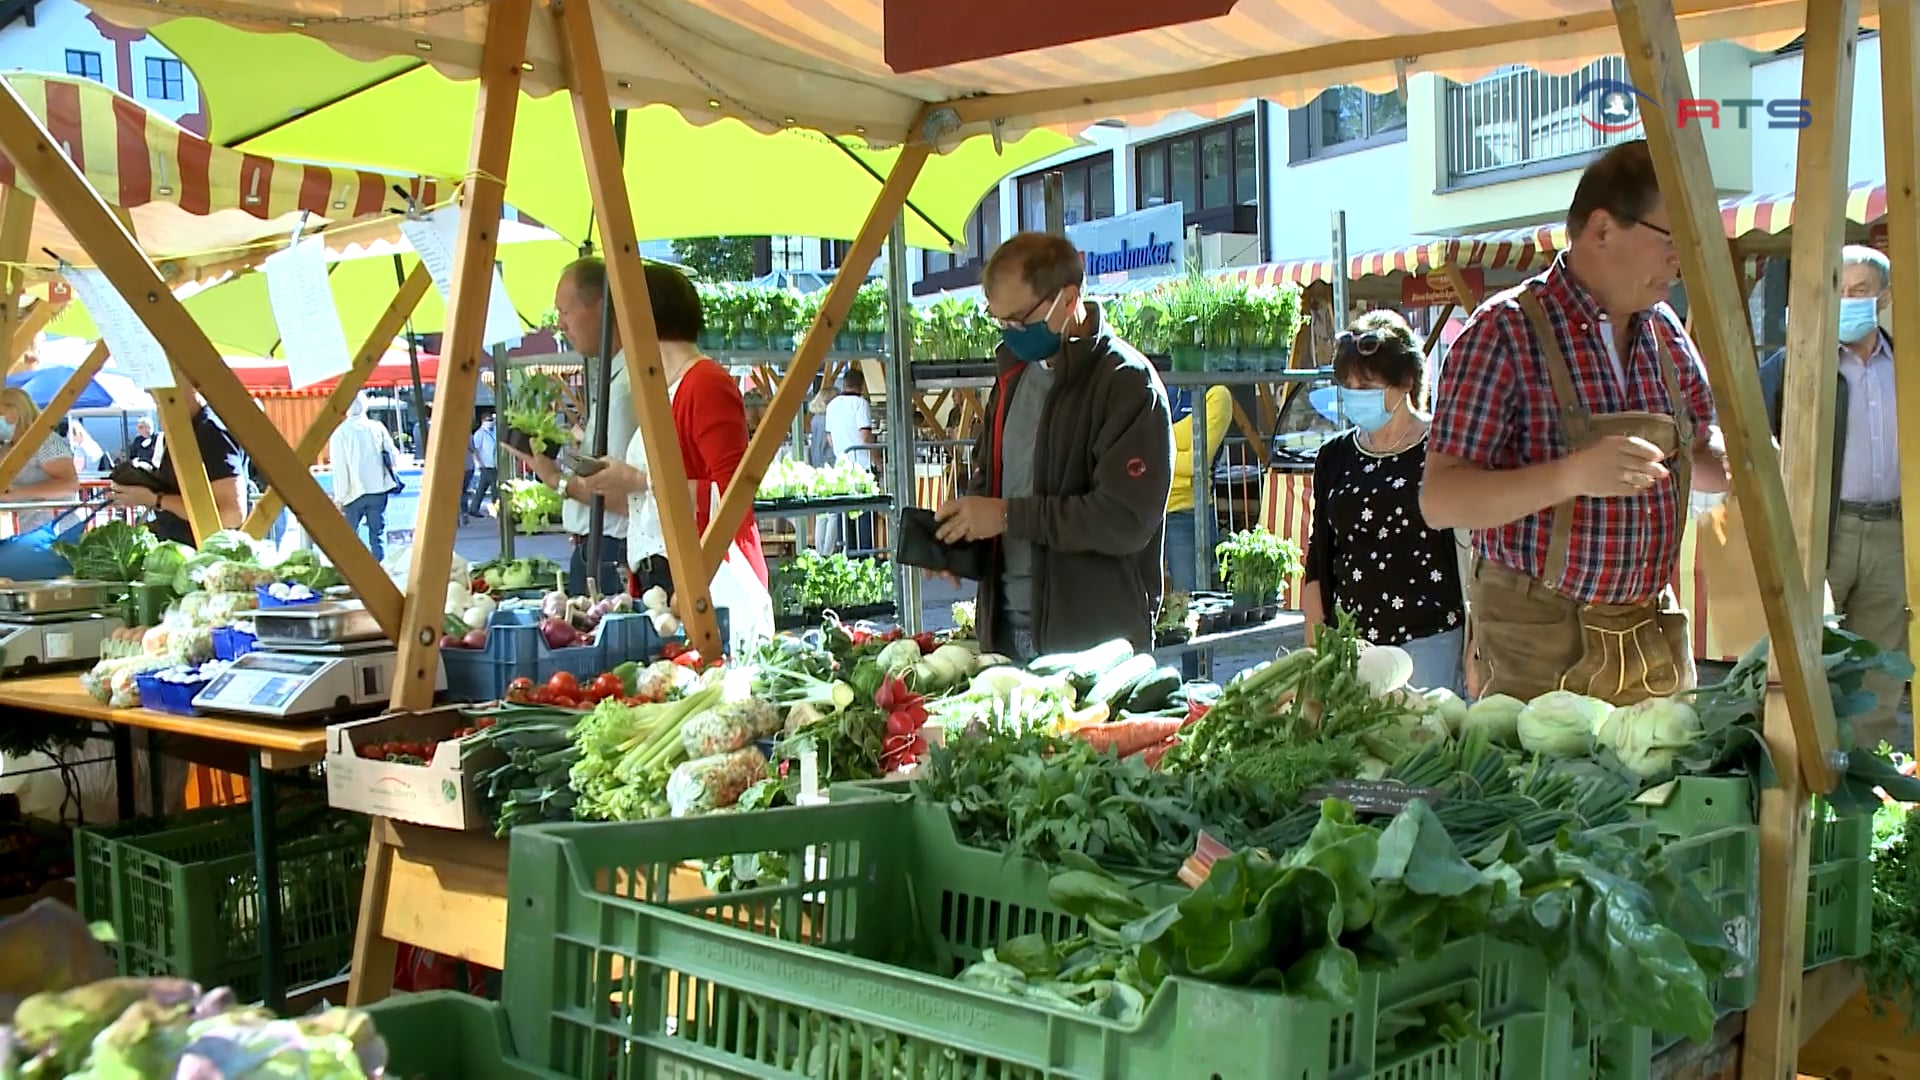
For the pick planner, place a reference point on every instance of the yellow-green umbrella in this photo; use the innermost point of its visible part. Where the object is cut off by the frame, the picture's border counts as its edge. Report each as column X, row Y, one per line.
column 286, row 95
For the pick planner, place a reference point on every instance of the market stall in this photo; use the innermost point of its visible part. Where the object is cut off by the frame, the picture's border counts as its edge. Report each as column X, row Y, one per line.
column 728, row 976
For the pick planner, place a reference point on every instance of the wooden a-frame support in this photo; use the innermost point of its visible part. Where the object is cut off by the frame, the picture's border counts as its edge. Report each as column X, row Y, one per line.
column 1900, row 89
column 28, row 442
column 260, row 519
column 418, row 628
column 95, row 228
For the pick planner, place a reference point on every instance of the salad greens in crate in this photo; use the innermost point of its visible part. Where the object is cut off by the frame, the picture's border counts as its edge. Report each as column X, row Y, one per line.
column 812, row 582
column 793, row 480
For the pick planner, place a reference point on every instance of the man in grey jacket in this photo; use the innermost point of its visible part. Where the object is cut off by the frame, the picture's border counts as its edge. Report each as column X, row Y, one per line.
column 1866, row 567
column 1070, row 475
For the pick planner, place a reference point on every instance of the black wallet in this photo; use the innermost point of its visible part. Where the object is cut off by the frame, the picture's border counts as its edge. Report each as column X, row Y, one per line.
column 920, row 547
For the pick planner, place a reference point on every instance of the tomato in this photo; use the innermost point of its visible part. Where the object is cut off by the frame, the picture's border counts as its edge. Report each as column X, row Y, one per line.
column 925, row 641
column 563, row 682
column 608, row 685
column 671, row 649
column 520, row 685
column 484, row 723
column 563, row 701
column 690, row 658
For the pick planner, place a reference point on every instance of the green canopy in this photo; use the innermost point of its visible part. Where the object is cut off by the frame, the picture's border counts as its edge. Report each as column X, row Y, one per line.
column 286, row 95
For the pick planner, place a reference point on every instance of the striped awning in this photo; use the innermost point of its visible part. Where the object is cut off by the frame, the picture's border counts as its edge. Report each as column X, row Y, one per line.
column 1531, row 249
column 189, row 200
column 821, row 64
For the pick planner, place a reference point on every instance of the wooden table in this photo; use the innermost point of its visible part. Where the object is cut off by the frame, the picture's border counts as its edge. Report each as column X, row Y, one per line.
column 266, row 748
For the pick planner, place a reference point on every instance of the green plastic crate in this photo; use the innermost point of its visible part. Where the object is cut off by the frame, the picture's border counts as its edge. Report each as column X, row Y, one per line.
column 848, row 973
column 1725, row 864
column 1839, row 888
column 182, row 894
column 1697, row 804
column 442, row 1035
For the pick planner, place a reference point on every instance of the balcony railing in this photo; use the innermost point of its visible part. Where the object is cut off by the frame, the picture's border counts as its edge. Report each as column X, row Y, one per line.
column 1518, row 121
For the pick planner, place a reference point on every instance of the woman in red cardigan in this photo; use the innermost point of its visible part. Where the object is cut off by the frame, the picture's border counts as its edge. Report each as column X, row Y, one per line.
column 709, row 420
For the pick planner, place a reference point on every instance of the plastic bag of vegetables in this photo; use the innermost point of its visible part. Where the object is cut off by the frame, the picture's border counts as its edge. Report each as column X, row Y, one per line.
column 731, row 726
column 713, row 783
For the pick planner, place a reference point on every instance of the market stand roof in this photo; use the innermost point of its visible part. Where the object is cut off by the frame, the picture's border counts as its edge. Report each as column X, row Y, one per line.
column 820, row 63
column 192, row 202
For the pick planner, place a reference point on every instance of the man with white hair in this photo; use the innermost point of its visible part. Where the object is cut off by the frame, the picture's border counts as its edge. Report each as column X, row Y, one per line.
column 1865, row 554
column 362, row 454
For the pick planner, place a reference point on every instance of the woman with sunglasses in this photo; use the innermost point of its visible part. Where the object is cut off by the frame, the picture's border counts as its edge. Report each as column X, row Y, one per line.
column 1372, row 554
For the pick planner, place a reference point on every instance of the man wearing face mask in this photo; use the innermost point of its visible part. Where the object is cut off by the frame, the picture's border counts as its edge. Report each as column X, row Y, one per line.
column 1572, row 417
column 1866, row 567
column 1071, row 474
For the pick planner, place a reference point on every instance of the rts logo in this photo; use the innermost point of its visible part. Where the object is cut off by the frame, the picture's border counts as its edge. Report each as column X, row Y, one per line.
column 1613, row 108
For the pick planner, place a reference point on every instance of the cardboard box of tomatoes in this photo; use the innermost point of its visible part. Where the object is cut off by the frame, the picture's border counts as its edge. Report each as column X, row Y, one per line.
column 407, row 766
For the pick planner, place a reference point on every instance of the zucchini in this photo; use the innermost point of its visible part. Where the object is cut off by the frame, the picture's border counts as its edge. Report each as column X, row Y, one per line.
column 1083, row 669
column 1115, row 687
column 1155, row 691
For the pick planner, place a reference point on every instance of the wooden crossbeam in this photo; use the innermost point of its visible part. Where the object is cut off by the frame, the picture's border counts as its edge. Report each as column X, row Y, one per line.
column 16, row 237
column 1900, row 89
column 1772, row 1043
column 28, row 442
column 25, row 328
column 38, row 158
column 189, row 467
column 447, row 442
column 1657, row 64
column 334, row 409
column 792, row 395
column 639, row 337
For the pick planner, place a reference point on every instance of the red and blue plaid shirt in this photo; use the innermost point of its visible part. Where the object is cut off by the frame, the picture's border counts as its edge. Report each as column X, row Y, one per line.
column 1494, row 407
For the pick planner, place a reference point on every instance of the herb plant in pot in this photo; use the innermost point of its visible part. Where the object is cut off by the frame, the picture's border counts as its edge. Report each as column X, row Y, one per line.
column 1255, row 564
column 867, row 318
column 533, row 413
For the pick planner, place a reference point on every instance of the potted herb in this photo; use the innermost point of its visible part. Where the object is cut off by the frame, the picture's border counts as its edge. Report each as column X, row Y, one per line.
column 1280, row 320
column 533, row 413
column 713, row 336
column 1190, row 309
column 778, row 312
column 1255, row 564
column 806, row 308
column 750, row 314
column 867, row 318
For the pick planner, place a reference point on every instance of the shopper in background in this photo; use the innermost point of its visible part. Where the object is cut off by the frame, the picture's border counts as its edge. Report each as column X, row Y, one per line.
column 710, row 424
column 484, row 457
column 142, row 449
column 1182, row 557
column 820, row 455
column 1572, row 415
column 1371, row 553
column 1866, row 550
column 1071, row 474
column 849, row 429
column 362, row 455
column 221, row 457
column 48, row 475
column 579, row 300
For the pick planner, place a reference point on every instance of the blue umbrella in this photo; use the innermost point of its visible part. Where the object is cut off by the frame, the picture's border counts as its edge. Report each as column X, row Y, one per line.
column 43, row 382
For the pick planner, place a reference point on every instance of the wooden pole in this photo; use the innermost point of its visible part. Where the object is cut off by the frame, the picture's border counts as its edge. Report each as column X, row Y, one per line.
column 1657, row 64
column 26, row 327
column 1771, row 1046
column 633, row 310
column 98, row 232
column 314, row 439
column 189, row 468
column 792, row 395
column 1900, row 88
column 16, row 239
column 28, row 442
column 447, row 441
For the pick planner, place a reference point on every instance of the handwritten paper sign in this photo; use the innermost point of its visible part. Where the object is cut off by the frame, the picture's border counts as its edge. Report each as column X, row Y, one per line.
column 434, row 237
column 135, row 350
column 310, row 333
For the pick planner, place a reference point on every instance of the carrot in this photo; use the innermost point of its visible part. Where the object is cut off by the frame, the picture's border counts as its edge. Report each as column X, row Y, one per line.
column 1152, row 754
column 1125, row 737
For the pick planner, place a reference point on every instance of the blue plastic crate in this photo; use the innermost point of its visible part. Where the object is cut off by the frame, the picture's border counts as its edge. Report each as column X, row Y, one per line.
column 231, row 643
column 170, row 697
column 268, row 600
column 631, row 636
column 514, row 650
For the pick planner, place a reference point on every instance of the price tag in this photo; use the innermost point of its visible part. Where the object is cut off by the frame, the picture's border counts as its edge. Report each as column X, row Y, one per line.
column 435, row 237
column 1377, row 797
column 57, row 644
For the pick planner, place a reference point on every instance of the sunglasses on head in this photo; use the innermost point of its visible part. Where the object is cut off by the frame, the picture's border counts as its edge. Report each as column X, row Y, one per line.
column 1365, row 343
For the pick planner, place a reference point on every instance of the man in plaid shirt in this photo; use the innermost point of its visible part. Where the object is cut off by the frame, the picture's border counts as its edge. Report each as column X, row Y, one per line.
column 1570, row 418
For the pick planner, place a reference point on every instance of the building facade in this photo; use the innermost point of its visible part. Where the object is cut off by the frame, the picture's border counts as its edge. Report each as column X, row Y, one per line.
column 62, row 37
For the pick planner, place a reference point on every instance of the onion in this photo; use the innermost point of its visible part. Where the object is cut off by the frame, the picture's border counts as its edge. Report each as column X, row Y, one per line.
column 475, row 638
column 558, row 633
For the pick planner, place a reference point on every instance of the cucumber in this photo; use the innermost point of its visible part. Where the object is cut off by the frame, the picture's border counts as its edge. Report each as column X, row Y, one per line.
column 1083, row 669
column 1115, row 687
column 1154, row 691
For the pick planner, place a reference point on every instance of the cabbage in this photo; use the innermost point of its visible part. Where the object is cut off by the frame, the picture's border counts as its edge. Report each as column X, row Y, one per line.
column 1498, row 715
column 1560, row 723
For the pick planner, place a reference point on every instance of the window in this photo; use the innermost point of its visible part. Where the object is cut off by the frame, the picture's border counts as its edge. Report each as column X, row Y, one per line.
column 1086, row 195
column 1344, row 119
column 84, row 64
column 833, row 253
column 1213, row 172
column 940, row 270
column 166, row 81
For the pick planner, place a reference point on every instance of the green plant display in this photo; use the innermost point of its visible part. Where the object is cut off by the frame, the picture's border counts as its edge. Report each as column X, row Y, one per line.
column 1255, row 563
column 533, row 409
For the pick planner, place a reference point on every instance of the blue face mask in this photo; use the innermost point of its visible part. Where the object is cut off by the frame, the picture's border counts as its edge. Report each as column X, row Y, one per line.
column 6, row 429
column 1859, row 317
column 1033, row 342
column 1365, row 409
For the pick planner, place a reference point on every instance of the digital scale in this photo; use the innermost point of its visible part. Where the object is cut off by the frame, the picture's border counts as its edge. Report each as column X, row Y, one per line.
column 320, row 660
column 47, row 625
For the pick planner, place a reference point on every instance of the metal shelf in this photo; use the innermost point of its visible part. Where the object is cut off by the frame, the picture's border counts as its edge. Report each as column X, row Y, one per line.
column 875, row 504
column 971, row 375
